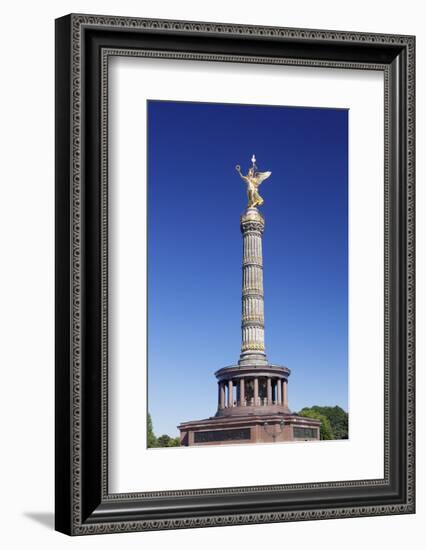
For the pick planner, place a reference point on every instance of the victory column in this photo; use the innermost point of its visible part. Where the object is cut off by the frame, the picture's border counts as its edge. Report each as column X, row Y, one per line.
column 252, row 395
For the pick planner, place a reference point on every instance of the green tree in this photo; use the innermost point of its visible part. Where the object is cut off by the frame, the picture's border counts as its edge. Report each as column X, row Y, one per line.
column 167, row 441
column 151, row 439
column 325, row 430
column 338, row 419
column 164, row 441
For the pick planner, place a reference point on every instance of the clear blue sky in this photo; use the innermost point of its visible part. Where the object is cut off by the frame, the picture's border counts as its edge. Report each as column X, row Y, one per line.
column 195, row 199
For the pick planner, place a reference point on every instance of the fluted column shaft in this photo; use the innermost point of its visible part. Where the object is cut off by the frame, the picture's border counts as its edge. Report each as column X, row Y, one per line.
column 252, row 322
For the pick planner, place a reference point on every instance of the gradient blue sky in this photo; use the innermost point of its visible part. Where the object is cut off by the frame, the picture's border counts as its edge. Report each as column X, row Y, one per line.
column 195, row 199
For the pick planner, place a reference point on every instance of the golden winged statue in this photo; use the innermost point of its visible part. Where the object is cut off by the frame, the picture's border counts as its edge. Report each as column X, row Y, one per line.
column 253, row 180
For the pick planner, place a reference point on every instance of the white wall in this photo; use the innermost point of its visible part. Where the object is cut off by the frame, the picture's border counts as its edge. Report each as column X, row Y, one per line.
column 26, row 289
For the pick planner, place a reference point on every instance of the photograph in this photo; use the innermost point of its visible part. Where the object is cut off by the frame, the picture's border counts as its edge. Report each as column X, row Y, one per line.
column 247, row 274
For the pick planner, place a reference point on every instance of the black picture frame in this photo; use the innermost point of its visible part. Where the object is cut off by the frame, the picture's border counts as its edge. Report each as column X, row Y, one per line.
column 83, row 504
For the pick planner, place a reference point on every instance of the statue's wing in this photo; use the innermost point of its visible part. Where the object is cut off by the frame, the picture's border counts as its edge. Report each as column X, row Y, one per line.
column 261, row 176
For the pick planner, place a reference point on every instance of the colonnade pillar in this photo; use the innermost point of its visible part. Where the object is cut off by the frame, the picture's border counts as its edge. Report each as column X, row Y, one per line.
column 230, row 394
column 269, row 390
column 279, row 393
column 276, row 392
column 242, row 391
column 221, row 395
column 285, row 394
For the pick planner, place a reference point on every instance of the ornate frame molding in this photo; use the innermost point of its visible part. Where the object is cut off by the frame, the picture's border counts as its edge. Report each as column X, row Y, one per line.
column 84, row 505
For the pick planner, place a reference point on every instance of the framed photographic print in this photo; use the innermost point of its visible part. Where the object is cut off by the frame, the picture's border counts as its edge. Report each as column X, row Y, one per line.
column 234, row 274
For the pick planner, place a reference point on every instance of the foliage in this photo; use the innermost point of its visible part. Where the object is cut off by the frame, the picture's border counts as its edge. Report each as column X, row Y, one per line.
column 162, row 441
column 336, row 424
column 167, row 441
column 151, row 439
column 339, row 420
column 325, row 430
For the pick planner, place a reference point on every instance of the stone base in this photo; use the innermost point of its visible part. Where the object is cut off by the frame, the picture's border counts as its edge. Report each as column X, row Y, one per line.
column 260, row 410
column 249, row 429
